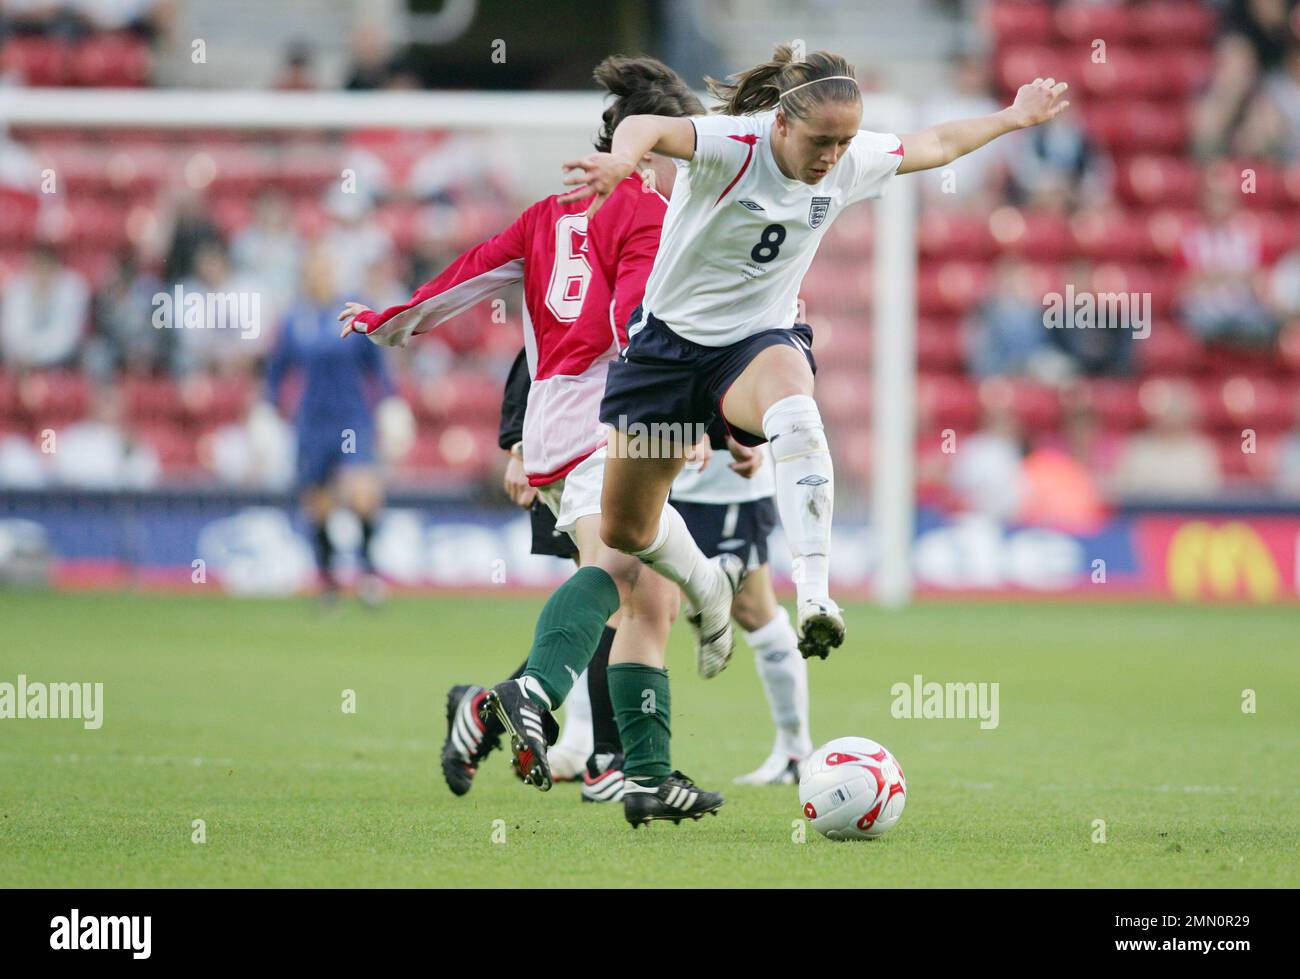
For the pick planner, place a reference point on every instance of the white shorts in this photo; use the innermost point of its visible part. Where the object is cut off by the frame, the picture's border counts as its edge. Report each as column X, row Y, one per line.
column 577, row 495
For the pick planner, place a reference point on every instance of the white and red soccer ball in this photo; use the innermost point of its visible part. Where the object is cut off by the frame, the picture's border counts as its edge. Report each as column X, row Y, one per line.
column 852, row 789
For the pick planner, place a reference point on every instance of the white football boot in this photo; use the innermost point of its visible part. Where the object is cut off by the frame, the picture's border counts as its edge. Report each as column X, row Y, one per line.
column 779, row 769
column 714, row 640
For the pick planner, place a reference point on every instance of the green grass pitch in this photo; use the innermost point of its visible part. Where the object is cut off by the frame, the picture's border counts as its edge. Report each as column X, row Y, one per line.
column 231, row 712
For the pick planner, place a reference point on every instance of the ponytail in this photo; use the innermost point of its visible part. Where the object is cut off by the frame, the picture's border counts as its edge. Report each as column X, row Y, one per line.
column 774, row 82
column 641, row 86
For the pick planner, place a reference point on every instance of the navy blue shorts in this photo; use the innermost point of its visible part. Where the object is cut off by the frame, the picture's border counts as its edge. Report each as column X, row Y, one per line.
column 666, row 379
column 319, row 459
column 731, row 528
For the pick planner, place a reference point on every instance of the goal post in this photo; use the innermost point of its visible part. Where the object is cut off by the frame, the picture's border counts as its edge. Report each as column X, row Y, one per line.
column 532, row 134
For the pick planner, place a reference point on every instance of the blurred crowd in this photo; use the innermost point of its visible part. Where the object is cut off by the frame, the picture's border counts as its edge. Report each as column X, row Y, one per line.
column 1174, row 176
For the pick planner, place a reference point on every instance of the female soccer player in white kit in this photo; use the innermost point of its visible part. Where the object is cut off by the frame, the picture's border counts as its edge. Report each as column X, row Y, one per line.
column 760, row 185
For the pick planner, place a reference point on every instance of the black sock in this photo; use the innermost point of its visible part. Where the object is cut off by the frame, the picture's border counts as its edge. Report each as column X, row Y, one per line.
column 324, row 549
column 367, row 532
column 604, row 726
column 519, row 671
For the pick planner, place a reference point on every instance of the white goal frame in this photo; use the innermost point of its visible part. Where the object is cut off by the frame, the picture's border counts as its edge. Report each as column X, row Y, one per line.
column 559, row 126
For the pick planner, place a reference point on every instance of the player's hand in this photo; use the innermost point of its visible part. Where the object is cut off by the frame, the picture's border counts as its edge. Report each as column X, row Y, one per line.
column 748, row 459
column 349, row 314
column 516, row 483
column 1039, row 101
column 699, row 454
column 595, row 176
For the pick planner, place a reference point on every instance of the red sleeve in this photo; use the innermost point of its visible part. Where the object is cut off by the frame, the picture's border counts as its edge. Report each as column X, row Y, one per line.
column 637, row 258
column 485, row 269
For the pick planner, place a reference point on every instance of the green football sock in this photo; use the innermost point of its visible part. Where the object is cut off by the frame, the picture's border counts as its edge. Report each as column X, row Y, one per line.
column 643, row 708
column 568, row 631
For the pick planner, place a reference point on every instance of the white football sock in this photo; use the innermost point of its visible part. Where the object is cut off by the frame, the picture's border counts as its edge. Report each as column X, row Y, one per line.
column 577, row 735
column 805, row 489
column 676, row 556
column 785, row 681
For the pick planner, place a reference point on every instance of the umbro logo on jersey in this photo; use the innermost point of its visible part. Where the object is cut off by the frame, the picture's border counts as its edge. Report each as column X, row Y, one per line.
column 813, row 480
column 751, row 205
column 818, row 210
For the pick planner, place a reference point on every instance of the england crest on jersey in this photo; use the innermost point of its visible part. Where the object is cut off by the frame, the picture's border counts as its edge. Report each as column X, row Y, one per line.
column 817, row 211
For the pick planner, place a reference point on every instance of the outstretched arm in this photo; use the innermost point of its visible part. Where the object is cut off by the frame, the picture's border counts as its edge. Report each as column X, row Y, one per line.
column 633, row 139
column 1037, row 102
column 484, row 270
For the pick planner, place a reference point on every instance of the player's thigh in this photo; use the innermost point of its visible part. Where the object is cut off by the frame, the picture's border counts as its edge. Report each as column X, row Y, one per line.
column 755, row 603
column 635, row 489
column 777, row 372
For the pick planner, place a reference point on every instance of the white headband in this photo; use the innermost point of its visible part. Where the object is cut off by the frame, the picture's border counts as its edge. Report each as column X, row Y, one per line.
column 828, row 78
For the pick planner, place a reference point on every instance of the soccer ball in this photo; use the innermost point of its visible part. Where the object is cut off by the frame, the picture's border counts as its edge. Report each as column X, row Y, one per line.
column 852, row 789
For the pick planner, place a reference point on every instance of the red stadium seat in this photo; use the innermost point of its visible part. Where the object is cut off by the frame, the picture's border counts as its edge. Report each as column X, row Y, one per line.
column 18, row 216
column 111, row 61
column 950, row 287
column 1262, row 186
column 945, row 235
column 1169, row 349
column 307, row 167
column 1172, row 23
column 948, row 402
column 1082, row 22
column 399, row 220
column 151, row 400
column 98, row 221
column 1125, row 75
column 50, row 399
column 853, row 450
column 1114, row 400
column 1027, row 232
column 177, row 449
column 1017, row 65
column 1020, row 21
column 845, row 396
column 38, row 61
column 468, row 451
column 232, row 213
column 1112, row 233
column 842, row 341
column 1158, row 180
column 1120, row 125
column 940, row 351
column 1191, row 67
column 1036, row 405
column 1246, row 402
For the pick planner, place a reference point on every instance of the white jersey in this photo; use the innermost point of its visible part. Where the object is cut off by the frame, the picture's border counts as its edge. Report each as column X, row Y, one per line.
column 739, row 234
column 719, row 483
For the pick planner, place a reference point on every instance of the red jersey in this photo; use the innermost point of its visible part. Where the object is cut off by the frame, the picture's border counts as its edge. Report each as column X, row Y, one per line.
column 581, row 284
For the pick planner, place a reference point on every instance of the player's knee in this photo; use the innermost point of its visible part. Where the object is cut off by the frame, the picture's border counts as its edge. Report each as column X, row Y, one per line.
column 624, row 537
column 794, row 427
